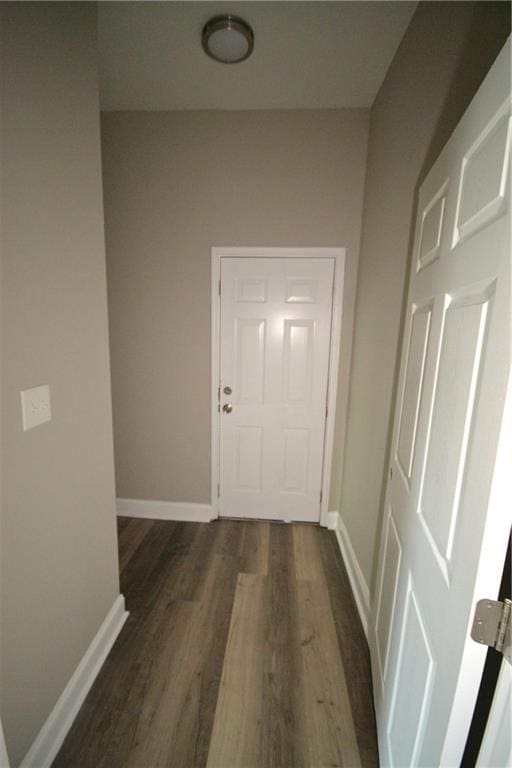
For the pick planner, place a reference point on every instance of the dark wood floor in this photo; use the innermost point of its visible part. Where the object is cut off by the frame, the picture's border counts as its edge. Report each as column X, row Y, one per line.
column 243, row 648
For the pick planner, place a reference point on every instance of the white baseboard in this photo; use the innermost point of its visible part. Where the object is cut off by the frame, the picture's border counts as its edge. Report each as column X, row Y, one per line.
column 355, row 574
column 165, row 510
column 332, row 521
column 51, row 736
column 4, row 758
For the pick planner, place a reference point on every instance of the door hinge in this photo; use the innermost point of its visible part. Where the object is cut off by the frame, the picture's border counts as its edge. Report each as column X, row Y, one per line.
column 492, row 626
column 218, row 490
column 321, row 496
column 218, row 394
column 219, row 288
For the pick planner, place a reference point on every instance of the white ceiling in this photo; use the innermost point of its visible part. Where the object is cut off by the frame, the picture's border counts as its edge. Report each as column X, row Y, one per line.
column 307, row 55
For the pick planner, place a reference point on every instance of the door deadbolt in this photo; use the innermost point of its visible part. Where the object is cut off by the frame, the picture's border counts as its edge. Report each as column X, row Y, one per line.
column 227, row 408
column 227, row 390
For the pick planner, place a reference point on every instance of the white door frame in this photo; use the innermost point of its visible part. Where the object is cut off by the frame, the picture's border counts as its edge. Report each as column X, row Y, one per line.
column 338, row 254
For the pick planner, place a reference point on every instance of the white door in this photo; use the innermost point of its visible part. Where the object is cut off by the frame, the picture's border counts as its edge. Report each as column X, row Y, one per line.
column 448, row 506
column 496, row 749
column 274, row 358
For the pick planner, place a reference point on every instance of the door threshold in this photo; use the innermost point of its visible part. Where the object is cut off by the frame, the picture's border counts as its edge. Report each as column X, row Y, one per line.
column 267, row 520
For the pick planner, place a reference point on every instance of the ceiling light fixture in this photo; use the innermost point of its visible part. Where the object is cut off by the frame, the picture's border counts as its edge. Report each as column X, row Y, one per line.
column 228, row 39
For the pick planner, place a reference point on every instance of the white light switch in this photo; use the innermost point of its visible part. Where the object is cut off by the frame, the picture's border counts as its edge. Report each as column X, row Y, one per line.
column 35, row 406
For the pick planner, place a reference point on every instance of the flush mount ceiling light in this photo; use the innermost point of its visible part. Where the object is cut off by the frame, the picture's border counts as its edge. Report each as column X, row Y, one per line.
column 228, row 39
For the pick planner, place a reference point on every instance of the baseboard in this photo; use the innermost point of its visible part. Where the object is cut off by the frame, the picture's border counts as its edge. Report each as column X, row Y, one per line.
column 165, row 510
column 355, row 574
column 332, row 521
column 4, row 759
column 51, row 736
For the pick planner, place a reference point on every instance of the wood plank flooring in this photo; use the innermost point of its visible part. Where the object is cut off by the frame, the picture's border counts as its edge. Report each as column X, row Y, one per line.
column 243, row 649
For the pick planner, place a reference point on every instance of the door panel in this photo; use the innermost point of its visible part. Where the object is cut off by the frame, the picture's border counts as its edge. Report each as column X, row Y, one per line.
column 298, row 361
column 413, row 387
column 387, row 593
column 274, row 356
column 413, row 685
column 248, row 458
column 483, row 189
column 450, row 428
column 295, row 459
column 431, row 228
column 448, row 516
column 250, row 359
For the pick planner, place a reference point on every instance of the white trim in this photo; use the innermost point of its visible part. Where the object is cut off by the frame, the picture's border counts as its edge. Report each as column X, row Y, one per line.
column 215, row 366
column 51, row 736
column 496, row 740
column 355, row 574
column 165, row 510
column 4, row 757
column 332, row 520
column 338, row 254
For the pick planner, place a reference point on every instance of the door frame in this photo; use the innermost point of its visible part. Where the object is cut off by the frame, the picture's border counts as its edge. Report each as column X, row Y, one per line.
column 338, row 254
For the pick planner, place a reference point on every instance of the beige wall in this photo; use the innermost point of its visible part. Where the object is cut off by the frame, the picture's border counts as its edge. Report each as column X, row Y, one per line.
column 442, row 59
column 176, row 184
column 59, row 563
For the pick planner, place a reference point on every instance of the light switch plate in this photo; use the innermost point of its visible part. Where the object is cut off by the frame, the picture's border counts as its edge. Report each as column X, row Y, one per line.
column 35, row 406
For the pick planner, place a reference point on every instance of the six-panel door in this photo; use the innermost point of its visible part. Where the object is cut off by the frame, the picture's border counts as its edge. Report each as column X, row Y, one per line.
column 274, row 357
column 448, row 513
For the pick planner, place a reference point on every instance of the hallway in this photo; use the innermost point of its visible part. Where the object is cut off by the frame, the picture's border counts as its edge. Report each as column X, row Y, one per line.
column 243, row 648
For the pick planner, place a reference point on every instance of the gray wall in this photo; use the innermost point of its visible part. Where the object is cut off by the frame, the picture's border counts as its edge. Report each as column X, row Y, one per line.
column 444, row 55
column 176, row 184
column 59, row 561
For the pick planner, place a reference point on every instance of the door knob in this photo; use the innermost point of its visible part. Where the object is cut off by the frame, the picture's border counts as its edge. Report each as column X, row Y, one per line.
column 227, row 408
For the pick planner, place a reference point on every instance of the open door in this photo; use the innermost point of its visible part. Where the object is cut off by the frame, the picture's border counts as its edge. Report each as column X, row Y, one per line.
column 448, row 511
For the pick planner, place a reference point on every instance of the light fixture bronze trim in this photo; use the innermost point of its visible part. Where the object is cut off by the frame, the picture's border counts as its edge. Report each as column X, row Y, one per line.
column 227, row 22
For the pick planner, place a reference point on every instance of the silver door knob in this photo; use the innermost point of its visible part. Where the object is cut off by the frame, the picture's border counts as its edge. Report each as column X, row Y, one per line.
column 227, row 408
